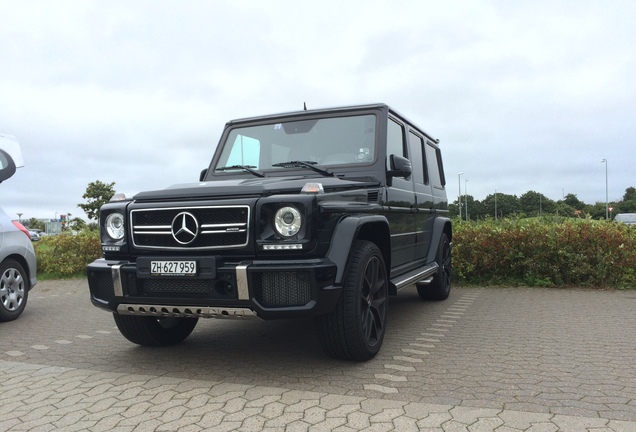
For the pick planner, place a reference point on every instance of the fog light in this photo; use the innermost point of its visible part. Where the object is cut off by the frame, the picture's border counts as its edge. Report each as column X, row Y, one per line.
column 290, row 246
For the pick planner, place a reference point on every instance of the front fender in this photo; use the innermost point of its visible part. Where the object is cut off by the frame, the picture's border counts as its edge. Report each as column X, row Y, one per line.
column 352, row 228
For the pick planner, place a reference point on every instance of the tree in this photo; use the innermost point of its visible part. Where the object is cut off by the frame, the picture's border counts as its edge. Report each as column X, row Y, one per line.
column 77, row 224
column 453, row 209
column 630, row 194
column 574, row 202
column 97, row 194
column 33, row 223
column 507, row 205
column 596, row 211
column 476, row 209
column 533, row 203
column 562, row 209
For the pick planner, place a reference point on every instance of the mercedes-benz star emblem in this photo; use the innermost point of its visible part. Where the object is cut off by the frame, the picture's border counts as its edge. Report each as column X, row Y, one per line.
column 185, row 228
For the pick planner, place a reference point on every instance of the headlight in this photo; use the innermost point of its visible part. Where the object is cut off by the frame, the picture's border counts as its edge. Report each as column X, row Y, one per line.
column 115, row 226
column 287, row 221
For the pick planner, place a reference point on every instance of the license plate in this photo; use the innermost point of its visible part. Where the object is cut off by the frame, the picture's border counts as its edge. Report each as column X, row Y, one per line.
column 173, row 268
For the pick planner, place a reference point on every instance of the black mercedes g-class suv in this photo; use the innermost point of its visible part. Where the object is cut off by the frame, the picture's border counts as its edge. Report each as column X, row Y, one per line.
column 320, row 213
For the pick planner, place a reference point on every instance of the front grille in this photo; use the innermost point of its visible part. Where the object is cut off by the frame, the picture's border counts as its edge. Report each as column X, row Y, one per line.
column 282, row 289
column 187, row 228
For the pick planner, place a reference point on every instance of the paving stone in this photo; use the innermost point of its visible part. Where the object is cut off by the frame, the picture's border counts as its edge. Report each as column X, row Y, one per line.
column 511, row 360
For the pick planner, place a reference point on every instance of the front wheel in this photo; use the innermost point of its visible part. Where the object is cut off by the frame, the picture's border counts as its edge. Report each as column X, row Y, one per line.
column 153, row 331
column 354, row 330
column 14, row 290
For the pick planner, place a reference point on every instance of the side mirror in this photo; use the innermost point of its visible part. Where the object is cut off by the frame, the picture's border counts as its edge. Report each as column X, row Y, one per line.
column 10, row 156
column 400, row 167
column 203, row 174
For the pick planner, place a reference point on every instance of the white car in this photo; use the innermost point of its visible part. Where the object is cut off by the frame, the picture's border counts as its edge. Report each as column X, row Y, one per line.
column 626, row 218
column 17, row 258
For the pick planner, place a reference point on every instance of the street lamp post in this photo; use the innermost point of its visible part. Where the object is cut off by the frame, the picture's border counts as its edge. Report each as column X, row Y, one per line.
column 459, row 196
column 466, row 196
column 606, row 192
column 495, row 203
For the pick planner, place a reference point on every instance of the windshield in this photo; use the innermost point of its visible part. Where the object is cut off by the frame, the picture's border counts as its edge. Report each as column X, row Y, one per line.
column 322, row 142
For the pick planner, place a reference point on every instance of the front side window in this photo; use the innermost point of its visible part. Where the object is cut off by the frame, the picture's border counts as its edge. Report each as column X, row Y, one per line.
column 326, row 142
column 394, row 141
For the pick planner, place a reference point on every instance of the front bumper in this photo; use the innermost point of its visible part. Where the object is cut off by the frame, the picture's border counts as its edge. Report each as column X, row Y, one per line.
column 263, row 289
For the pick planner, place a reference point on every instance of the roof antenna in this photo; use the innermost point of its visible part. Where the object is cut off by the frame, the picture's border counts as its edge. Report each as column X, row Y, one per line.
column 305, row 105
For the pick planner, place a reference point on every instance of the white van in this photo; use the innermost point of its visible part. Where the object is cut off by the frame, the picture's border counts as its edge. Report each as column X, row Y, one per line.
column 627, row 218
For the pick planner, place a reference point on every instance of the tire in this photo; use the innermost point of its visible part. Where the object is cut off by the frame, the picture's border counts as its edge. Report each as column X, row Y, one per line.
column 14, row 290
column 440, row 286
column 355, row 329
column 153, row 331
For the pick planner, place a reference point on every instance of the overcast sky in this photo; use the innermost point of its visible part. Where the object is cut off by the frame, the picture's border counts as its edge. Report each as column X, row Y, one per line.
column 523, row 96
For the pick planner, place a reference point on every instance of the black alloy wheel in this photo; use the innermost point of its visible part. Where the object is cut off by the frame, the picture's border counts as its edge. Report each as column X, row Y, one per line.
column 355, row 329
column 440, row 286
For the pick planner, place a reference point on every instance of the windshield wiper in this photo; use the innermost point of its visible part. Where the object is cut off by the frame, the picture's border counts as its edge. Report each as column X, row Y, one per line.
column 242, row 167
column 304, row 164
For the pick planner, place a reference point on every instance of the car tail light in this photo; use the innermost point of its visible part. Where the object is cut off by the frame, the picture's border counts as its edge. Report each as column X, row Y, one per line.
column 21, row 227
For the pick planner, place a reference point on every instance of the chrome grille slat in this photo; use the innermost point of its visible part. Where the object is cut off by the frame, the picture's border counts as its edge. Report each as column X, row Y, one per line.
column 224, row 226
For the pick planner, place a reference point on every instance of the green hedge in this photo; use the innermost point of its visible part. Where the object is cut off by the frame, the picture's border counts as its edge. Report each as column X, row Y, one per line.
column 517, row 252
column 67, row 255
column 545, row 252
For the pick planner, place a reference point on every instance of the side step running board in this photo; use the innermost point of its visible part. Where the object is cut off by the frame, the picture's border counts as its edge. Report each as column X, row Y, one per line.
column 423, row 275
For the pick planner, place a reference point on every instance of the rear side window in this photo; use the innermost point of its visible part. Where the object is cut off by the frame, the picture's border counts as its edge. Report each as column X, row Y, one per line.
column 420, row 173
column 435, row 170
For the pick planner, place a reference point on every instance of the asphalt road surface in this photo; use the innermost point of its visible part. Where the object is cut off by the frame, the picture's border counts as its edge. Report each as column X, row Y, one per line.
column 485, row 359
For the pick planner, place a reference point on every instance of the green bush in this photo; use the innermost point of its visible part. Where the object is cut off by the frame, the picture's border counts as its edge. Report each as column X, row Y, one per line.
column 518, row 252
column 66, row 255
column 545, row 252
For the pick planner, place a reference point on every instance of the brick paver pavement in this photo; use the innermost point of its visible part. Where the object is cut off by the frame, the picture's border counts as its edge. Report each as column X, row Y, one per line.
column 485, row 359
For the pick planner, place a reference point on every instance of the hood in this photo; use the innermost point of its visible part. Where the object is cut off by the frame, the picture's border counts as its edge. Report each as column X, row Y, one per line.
column 242, row 187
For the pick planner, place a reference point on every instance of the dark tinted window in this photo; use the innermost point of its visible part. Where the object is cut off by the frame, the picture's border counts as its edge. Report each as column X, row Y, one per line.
column 417, row 158
column 435, row 170
column 394, row 140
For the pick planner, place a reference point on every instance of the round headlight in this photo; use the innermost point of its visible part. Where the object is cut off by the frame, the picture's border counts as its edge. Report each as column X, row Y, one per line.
column 287, row 221
column 115, row 226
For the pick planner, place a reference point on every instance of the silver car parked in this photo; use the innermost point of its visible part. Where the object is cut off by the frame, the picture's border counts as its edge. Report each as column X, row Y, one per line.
column 17, row 258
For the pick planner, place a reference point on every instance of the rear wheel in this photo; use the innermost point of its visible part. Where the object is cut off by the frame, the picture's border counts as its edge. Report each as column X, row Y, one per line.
column 153, row 331
column 14, row 290
column 354, row 330
column 440, row 286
